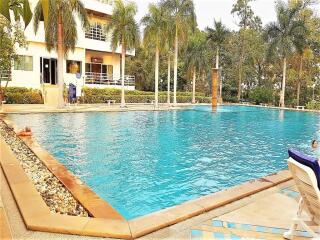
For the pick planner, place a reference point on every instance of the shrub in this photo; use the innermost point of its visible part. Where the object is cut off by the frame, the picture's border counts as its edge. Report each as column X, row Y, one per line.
column 20, row 95
column 261, row 95
column 94, row 95
column 314, row 105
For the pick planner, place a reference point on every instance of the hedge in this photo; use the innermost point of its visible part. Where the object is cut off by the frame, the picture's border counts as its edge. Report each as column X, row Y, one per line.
column 95, row 95
column 21, row 95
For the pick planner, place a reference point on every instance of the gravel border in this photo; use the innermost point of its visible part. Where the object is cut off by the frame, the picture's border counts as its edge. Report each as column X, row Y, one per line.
column 53, row 192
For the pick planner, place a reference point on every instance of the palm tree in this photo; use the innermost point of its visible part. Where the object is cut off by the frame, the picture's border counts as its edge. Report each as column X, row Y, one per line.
column 196, row 56
column 60, row 30
column 283, row 36
column 184, row 20
column 156, row 24
column 125, row 32
column 301, row 46
column 216, row 38
column 20, row 9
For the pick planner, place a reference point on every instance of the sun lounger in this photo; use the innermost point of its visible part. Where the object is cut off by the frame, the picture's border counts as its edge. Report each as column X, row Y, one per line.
column 306, row 174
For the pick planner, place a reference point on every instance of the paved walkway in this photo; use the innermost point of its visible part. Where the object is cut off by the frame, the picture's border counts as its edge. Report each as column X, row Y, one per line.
column 253, row 217
column 40, row 108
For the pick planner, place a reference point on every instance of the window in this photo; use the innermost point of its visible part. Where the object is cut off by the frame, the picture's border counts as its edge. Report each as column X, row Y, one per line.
column 24, row 63
column 96, row 32
column 73, row 66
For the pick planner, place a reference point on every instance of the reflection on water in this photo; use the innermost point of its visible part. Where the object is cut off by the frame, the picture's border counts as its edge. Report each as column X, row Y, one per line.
column 142, row 162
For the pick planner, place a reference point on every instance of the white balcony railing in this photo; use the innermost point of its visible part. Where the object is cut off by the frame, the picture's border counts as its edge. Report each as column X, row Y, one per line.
column 104, row 79
column 96, row 32
column 110, row 2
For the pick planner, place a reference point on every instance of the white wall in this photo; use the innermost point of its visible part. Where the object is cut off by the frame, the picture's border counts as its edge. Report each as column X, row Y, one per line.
column 31, row 79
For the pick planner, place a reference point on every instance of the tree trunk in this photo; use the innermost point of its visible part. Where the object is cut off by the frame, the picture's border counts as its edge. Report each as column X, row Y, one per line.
column 240, row 81
column 123, row 65
column 241, row 60
column 217, row 59
column 169, row 79
column 60, row 60
column 220, row 88
column 283, row 91
column 156, row 81
column 175, row 79
column 194, row 86
column 299, row 80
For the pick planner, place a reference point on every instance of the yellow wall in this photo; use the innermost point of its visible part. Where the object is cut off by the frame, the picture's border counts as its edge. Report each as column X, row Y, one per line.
column 108, row 59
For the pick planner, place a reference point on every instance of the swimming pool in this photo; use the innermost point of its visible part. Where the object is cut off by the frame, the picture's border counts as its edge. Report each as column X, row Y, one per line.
column 141, row 162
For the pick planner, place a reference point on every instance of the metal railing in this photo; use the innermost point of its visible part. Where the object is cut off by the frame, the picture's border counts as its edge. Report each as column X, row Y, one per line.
column 104, row 79
column 5, row 76
column 110, row 2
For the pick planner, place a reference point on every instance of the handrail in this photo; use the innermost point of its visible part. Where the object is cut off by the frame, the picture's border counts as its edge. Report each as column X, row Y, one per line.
column 105, row 79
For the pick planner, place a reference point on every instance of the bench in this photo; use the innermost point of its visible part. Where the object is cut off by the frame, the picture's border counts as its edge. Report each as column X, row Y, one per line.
column 300, row 107
column 111, row 101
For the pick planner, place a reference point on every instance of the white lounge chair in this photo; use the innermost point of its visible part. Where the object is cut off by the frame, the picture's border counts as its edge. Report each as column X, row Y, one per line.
column 306, row 174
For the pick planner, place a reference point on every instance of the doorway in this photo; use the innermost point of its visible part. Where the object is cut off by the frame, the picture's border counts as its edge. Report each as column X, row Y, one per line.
column 48, row 69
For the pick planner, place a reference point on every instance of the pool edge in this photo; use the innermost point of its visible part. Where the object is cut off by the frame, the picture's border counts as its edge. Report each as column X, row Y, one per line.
column 108, row 226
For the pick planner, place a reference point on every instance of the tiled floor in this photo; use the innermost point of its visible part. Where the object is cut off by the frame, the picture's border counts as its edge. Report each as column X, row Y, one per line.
column 266, row 218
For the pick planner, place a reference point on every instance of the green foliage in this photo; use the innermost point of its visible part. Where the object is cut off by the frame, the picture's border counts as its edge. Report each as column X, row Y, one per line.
column 20, row 9
column 17, row 95
column 123, row 26
column 55, row 11
column 10, row 35
column 313, row 105
column 261, row 95
column 95, row 95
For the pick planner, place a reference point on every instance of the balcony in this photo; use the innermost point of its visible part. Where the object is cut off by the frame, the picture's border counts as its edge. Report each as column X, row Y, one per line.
column 99, row 6
column 110, row 80
column 96, row 32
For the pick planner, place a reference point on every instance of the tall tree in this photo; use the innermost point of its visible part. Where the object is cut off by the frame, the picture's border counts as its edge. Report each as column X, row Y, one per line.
column 60, row 30
column 196, row 58
column 156, row 27
column 125, row 32
column 247, row 19
column 217, row 37
column 284, row 35
column 302, row 45
column 10, row 36
column 184, row 18
column 20, row 9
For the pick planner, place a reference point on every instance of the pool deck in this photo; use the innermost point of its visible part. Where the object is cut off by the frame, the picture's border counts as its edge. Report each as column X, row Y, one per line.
column 254, row 210
column 41, row 108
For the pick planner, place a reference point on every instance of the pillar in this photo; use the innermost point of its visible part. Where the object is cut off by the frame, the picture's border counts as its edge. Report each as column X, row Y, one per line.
column 215, row 77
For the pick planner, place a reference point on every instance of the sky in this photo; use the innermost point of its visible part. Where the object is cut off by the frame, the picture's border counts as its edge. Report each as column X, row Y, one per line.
column 208, row 10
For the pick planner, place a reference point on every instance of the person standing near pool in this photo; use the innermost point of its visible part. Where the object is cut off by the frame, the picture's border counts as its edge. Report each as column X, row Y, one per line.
column 315, row 149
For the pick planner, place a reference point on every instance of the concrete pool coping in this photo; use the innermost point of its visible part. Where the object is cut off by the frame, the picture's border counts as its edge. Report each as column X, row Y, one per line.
column 37, row 216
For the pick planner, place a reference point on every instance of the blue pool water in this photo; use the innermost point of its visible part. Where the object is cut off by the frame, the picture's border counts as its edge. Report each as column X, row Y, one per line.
column 141, row 162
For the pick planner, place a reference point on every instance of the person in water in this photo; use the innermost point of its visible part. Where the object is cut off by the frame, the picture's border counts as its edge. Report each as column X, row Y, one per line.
column 315, row 149
column 314, row 145
column 25, row 132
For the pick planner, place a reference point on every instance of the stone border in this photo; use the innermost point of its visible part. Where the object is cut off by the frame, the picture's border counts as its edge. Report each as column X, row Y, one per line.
column 5, row 231
column 37, row 216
